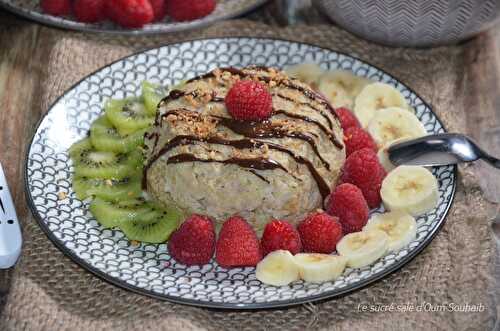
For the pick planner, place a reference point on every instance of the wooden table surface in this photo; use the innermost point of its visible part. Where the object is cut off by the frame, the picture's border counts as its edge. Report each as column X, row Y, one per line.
column 24, row 48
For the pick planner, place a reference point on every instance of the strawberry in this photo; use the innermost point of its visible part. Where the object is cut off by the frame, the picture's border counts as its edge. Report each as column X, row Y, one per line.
column 159, row 9
column 280, row 235
column 89, row 11
column 238, row 245
column 194, row 242
column 249, row 100
column 56, row 7
column 130, row 13
column 188, row 10
column 349, row 205
column 320, row 233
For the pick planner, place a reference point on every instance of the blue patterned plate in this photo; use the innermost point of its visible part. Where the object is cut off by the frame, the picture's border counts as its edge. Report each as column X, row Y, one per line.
column 148, row 269
column 225, row 9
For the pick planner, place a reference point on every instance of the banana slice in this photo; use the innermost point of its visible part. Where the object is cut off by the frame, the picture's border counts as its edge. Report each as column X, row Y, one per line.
column 383, row 154
column 363, row 248
column 398, row 225
column 317, row 268
column 374, row 97
column 335, row 94
column 351, row 83
column 393, row 123
column 309, row 73
column 278, row 268
column 412, row 189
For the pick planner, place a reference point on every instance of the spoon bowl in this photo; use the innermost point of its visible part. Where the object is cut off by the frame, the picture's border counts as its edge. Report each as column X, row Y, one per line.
column 438, row 150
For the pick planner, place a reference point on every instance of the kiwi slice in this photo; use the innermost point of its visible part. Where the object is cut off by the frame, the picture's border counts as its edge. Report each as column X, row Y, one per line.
column 152, row 95
column 110, row 214
column 128, row 115
column 105, row 137
column 92, row 163
column 108, row 189
column 154, row 227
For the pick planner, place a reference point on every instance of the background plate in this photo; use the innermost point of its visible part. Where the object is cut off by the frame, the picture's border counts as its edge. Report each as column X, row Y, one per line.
column 225, row 9
column 148, row 269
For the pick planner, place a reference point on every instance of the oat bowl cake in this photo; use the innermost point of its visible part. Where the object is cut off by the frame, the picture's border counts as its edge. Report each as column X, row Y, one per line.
column 201, row 160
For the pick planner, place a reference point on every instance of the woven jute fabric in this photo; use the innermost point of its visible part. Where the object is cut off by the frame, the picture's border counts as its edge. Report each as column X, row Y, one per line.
column 50, row 292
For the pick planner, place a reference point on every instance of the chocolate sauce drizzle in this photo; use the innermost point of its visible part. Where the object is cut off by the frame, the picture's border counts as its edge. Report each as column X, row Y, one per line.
column 264, row 129
column 329, row 133
column 267, row 129
column 310, row 94
column 239, row 144
column 259, row 175
column 259, row 163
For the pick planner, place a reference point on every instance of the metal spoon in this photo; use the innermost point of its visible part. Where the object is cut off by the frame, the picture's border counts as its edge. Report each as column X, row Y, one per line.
column 439, row 149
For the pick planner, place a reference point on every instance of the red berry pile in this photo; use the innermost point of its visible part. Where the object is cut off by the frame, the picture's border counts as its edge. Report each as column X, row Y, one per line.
column 129, row 13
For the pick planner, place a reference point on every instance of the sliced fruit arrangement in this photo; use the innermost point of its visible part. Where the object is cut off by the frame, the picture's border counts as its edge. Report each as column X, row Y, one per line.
column 317, row 268
column 374, row 97
column 340, row 87
column 152, row 95
column 398, row 225
column 108, row 169
column 105, row 137
column 307, row 72
column 128, row 115
column 363, row 248
column 108, row 189
column 92, row 163
column 372, row 114
column 278, row 268
column 412, row 189
column 129, row 13
column 393, row 123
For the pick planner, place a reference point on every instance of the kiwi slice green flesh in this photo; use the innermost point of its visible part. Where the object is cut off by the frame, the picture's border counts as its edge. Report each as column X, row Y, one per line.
column 152, row 95
column 154, row 227
column 91, row 163
column 108, row 189
column 111, row 214
column 128, row 115
column 105, row 137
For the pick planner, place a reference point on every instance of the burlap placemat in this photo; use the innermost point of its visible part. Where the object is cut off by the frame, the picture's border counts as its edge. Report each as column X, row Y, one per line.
column 50, row 292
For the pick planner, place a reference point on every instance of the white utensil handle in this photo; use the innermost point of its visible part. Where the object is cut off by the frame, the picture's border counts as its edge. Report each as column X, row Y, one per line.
column 10, row 230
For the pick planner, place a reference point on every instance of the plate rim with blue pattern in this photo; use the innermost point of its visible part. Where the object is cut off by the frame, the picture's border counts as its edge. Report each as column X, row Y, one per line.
column 37, row 209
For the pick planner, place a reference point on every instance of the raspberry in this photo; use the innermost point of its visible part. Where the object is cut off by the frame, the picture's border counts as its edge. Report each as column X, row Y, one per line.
column 194, row 242
column 363, row 169
column 238, row 245
column 159, row 9
column 188, row 10
column 320, row 233
column 249, row 100
column 56, row 7
column 349, row 205
column 130, row 13
column 346, row 118
column 355, row 138
column 89, row 11
column 280, row 235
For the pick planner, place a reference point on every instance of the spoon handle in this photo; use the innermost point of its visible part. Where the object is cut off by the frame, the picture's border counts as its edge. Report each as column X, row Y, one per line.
column 491, row 160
